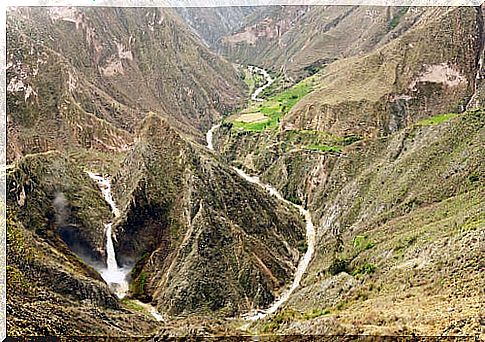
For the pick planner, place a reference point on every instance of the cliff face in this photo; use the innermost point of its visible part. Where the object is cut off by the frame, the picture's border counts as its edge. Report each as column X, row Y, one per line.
column 208, row 240
column 119, row 64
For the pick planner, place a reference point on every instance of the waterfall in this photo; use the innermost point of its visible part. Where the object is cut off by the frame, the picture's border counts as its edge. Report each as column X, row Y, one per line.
column 110, row 250
column 114, row 275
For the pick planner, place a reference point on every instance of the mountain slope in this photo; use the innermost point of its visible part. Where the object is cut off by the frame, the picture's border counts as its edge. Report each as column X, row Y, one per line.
column 208, row 240
column 119, row 65
column 299, row 40
column 212, row 23
column 419, row 74
column 399, row 220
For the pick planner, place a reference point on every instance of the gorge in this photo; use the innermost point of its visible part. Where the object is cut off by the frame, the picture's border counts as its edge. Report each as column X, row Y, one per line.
column 245, row 172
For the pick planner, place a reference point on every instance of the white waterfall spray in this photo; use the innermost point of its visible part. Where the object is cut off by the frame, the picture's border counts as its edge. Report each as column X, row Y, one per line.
column 114, row 275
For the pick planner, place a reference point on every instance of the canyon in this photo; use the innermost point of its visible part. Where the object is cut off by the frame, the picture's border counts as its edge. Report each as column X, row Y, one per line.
column 245, row 171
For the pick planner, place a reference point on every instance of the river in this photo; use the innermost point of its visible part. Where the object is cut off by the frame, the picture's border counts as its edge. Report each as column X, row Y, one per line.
column 310, row 229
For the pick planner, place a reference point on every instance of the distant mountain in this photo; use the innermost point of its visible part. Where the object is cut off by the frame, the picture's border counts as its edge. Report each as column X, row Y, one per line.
column 298, row 40
column 212, row 23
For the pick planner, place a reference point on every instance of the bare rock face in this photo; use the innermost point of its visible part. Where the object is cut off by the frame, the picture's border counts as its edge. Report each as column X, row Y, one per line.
column 208, row 240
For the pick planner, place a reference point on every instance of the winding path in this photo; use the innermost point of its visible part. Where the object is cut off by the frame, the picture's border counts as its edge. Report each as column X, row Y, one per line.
column 310, row 229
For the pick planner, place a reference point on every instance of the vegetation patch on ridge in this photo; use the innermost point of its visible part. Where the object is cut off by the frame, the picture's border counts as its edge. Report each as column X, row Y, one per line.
column 437, row 119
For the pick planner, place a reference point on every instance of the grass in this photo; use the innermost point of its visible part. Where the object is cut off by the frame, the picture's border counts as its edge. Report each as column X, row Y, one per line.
column 318, row 140
column 294, row 200
column 132, row 305
column 362, row 243
column 252, row 80
column 315, row 313
column 324, row 148
column 364, row 269
column 274, row 108
column 290, row 315
column 437, row 119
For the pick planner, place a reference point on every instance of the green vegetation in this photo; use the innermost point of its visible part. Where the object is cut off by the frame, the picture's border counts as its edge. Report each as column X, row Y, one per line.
column 362, row 243
column 341, row 305
column 317, row 140
column 397, row 18
column 274, row 108
column 315, row 313
column 324, row 148
column 138, row 285
column 279, row 319
column 364, row 269
column 435, row 120
column 350, row 139
column 302, row 246
column 295, row 200
column 252, row 80
column 290, row 315
column 404, row 243
column 132, row 305
column 338, row 266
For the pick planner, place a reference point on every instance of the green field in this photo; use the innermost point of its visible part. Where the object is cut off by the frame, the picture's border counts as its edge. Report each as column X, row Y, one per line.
column 274, row 108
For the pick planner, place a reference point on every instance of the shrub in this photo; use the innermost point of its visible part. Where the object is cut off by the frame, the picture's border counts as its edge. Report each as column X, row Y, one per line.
column 362, row 243
column 295, row 200
column 315, row 313
column 338, row 266
column 364, row 269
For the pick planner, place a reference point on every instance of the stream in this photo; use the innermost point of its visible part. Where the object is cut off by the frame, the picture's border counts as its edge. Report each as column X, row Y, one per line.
column 310, row 229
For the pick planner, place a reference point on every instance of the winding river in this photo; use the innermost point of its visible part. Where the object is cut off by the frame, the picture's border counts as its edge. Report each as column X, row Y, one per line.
column 267, row 77
column 310, row 229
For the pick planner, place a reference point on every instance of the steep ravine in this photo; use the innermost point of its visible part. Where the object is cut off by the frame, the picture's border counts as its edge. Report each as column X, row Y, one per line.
column 117, row 277
column 114, row 275
column 310, row 229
